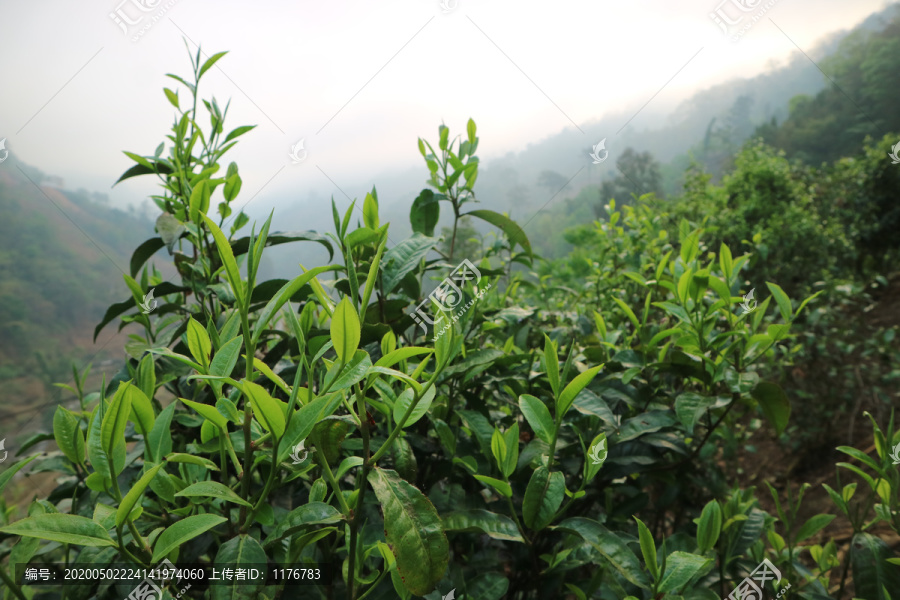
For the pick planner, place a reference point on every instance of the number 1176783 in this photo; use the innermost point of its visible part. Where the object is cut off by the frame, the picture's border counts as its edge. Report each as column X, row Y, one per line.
column 298, row 573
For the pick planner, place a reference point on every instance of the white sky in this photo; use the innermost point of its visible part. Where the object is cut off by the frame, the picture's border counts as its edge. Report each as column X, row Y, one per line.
column 77, row 91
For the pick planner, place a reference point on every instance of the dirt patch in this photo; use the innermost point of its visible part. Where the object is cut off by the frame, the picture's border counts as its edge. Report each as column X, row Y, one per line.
column 784, row 467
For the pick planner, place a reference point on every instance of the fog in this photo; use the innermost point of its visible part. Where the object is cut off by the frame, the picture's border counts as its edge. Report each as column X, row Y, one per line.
column 358, row 82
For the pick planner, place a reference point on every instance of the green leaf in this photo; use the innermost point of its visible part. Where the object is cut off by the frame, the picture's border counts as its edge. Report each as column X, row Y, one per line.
column 232, row 188
column 648, row 549
column 865, row 476
column 774, row 403
column 226, row 357
column 198, row 342
column 862, row 457
column 159, row 442
column 227, row 257
column 240, row 550
column 139, row 169
column 170, row 230
column 721, row 289
column 374, row 269
column 212, row 489
column 551, row 363
column 134, row 495
column 498, row 448
column 725, row 261
column 209, row 413
column 68, row 435
column 112, row 431
column 266, row 409
column 543, row 497
column 353, row 372
column 141, row 409
column 538, row 416
column 500, row 486
column 242, row 245
column 470, row 130
column 62, row 528
column 143, row 252
column 424, row 213
column 209, row 63
column 610, row 546
column 404, row 460
column 804, row 303
column 145, row 380
column 199, row 201
column 597, row 453
column 784, row 303
column 871, row 571
column 179, row 457
column 313, row 513
column 392, row 358
column 238, row 131
column 370, row 211
column 413, row 530
column 709, row 526
column 681, row 569
column 487, row 586
column 361, row 237
column 445, row 348
column 403, row 258
column 567, row 397
column 690, row 408
column 187, row 529
column 175, row 356
column 474, row 359
column 512, row 230
column 405, row 399
column 305, row 419
column 496, row 526
column 281, row 297
column 628, row 312
column 813, row 525
column 480, row 427
column 228, row 410
column 345, row 330
column 8, row 473
column 511, row 441
column 172, row 96
column 589, row 403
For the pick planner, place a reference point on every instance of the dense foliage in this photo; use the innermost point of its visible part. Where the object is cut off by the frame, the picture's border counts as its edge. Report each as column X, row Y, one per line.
column 561, row 432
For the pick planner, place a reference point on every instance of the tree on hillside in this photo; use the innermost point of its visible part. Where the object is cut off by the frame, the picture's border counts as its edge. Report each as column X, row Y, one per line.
column 858, row 102
column 469, row 242
column 551, row 180
column 639, row 173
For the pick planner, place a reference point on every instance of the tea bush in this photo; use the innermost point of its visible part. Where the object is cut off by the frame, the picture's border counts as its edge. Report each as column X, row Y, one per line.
column 550, row 436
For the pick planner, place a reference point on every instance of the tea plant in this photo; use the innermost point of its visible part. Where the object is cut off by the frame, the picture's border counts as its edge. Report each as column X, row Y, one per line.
column 545, row 441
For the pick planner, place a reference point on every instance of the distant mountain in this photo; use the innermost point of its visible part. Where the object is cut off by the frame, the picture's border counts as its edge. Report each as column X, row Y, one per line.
column 710, row 127
column 62, row 253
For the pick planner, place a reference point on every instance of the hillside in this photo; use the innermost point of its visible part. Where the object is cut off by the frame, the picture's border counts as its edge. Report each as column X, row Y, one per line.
column 61, row 261
column 709, row 129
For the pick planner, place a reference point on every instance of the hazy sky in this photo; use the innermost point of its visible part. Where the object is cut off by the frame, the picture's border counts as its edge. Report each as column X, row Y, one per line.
column 360, row 81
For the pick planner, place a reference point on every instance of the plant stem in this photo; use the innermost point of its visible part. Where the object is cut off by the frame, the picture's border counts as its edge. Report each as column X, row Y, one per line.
column 361, row 489
column 4, row 576
column 374, row 585
column 512, row 511
column 292, row 402
column 248, row 448
column 412, row 405
column 329, row 477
